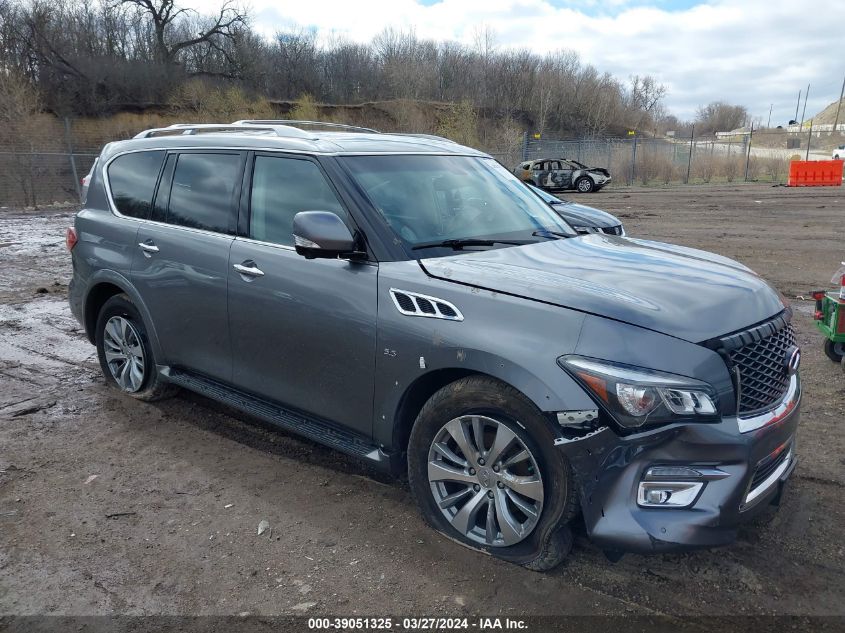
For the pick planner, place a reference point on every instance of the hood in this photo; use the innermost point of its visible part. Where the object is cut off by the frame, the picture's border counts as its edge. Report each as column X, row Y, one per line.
column 682, row 292
column 582, row 215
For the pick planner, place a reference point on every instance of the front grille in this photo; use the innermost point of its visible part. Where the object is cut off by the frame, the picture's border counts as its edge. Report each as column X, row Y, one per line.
column 763, row 379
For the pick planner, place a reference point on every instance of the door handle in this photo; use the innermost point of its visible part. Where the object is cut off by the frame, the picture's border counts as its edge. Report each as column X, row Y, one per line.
column 148, row 247
column 249, row 269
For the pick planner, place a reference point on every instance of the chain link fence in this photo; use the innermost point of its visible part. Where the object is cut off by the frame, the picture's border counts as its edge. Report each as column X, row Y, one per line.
column 42, row 163
column 740, row 156
column 43, row 160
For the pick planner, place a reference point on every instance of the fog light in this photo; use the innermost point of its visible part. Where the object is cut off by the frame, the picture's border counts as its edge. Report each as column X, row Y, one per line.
column 657, row 496
column 668, row 494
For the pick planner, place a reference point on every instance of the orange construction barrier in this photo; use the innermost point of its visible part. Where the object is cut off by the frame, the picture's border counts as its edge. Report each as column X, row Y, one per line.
column 815, row 173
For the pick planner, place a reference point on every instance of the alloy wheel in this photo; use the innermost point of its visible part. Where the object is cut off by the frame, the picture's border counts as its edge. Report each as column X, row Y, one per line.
column 124, row 353
column 485, row 480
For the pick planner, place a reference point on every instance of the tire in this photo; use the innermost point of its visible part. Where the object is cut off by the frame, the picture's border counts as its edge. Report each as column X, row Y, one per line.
column 834, row 351
column 542, row 541
column 125, row 354
column 585, row 184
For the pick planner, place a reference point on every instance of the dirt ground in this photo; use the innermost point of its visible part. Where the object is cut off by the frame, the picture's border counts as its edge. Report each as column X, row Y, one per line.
column 108, row 505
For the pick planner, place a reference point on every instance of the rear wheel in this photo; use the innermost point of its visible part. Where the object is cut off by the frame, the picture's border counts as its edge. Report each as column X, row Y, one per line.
column 125, row 353
column 584, row 184
column 484, row 471
column 834, row 351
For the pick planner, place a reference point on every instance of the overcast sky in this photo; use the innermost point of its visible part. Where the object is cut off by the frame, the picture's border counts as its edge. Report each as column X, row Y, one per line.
column 750, row 52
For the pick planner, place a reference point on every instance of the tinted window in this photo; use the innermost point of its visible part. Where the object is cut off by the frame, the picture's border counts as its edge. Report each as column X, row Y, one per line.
column 132, row 179
column 202, row 192
column 281, row 188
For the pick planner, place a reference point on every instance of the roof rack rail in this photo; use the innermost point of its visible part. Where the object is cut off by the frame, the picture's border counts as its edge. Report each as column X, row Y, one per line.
column 293, row 122
column 189, row 129
column 432, row 137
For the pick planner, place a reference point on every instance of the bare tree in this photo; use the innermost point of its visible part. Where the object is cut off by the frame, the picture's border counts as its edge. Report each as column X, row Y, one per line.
column 719, row 116
column 100, row 56
column 170, row 40
column 20, row 105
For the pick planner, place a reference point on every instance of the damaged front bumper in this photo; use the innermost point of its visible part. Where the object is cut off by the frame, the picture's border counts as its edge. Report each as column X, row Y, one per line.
column 739, row 474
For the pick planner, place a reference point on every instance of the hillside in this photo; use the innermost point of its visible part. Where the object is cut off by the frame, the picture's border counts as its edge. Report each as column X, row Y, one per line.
column 828, row 115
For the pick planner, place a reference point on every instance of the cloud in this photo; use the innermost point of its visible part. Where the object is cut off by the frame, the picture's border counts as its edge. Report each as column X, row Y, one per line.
column 751, row 52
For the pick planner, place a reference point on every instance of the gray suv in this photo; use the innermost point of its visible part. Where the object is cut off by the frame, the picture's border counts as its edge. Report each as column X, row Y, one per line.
column 409, row 301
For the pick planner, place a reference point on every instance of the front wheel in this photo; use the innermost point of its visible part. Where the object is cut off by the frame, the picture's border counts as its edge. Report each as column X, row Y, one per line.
column 585, row 184
column 484, row 471
column 834, row 351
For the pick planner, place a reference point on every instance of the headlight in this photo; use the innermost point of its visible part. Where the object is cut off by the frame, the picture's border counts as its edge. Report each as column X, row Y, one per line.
column 635, row 396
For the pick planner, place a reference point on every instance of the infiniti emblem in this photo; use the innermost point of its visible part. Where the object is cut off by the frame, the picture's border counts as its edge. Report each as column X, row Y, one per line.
column 793, row 359
column 484, row 477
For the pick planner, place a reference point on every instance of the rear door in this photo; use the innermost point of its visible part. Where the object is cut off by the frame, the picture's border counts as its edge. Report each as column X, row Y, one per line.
column 181, row 264
column 303, row 331
column 564, row 174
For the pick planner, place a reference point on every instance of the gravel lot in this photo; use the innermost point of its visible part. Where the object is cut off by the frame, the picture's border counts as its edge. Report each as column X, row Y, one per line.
column 108, row 505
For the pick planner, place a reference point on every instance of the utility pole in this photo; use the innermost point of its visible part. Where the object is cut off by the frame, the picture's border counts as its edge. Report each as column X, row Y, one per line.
column 839, row 105
column 804, row 111
column 797, row 105
column 769, row 122
column 809, row 140
column 689, row 160
column 748, row 153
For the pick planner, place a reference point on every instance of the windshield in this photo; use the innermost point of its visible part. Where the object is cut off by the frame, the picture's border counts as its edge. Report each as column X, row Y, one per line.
column 432, row 199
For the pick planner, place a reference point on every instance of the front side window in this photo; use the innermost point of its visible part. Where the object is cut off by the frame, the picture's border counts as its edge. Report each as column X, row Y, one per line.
column 427, row 199
column 132, row 180
column 201, row 196
column 281, row 188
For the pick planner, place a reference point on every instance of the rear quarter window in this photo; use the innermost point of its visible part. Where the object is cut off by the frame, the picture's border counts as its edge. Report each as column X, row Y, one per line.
column 132, row 180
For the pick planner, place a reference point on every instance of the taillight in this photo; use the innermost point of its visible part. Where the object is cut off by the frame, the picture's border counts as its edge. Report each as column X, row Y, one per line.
column 70, row 238
column 819, row 296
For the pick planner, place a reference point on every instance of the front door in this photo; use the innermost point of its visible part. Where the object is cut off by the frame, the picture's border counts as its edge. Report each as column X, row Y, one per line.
column 303, row 331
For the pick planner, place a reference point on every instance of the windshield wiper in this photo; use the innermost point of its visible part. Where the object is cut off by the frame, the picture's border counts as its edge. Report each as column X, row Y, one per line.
column 551, row 234
column 459, row 244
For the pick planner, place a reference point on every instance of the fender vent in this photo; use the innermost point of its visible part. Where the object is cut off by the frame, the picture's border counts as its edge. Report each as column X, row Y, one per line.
column 415, row 304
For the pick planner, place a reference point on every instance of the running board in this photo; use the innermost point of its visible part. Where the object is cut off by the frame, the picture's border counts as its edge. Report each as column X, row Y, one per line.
column 314, row 429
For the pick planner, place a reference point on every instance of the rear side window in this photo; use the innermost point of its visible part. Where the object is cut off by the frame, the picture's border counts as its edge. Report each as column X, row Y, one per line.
column 132, row 180
column 281, row 188
column 201, row 195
